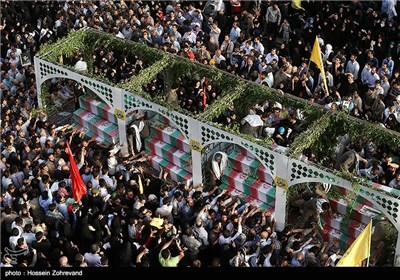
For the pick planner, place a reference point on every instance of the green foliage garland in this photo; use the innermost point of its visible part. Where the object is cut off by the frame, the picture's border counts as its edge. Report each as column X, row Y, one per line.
column 228, row 95
column 359, row 129
column 185, row 67
column 266, row 142
column 67, row 47
column 310, row 136
column 146, row 75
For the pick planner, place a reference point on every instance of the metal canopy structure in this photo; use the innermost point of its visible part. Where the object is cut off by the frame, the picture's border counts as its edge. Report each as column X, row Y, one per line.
column 286, row 171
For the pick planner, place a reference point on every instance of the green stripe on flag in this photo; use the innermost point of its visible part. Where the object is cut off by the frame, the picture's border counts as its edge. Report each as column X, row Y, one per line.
column 270, row 196
column 223, row 186
column 247, row 183
column 173, row 138
column 343, row 227
column 344, row 238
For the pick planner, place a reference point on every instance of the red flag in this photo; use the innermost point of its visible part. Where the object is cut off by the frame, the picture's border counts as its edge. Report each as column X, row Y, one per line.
column 205, row 84
column 78, row 186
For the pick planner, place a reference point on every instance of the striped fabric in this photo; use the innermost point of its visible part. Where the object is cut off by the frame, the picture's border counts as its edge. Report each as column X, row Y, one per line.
column 171, row 136
column 98, row 108
column 341, row 206
column 176, row 173
column 263, row 192
column 352, row 227
column 238, row 180
column 90, row 133
column 249, row 165
column 249, row 186
column 97, row 125
column 336, row 237
column 387, row 189
column 172, row 154
column 245, row 198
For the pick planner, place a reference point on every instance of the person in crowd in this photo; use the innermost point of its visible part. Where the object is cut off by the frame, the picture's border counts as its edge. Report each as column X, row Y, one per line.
column 216, row 168
column 116, row 222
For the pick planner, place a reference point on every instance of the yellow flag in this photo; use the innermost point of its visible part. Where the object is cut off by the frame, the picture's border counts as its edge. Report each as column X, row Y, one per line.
column 61, row 59
column 296, row 4
column 359, row 250
column 317, row 59
column 140, row 184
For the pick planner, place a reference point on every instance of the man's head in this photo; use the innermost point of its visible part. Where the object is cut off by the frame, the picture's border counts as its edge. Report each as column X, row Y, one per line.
column 218, row 157
column 325, row 206
column 165, row 253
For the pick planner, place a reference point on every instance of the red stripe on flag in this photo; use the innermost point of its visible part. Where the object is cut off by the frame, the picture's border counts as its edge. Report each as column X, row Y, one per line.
column 152, row 145
column 333, row 204
column 254, row 191
column 180, row 142
column 238, row 162
column 159, row 132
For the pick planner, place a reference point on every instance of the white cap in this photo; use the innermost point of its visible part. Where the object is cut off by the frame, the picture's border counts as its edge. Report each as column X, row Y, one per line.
column 152, row 197
column 278, row 105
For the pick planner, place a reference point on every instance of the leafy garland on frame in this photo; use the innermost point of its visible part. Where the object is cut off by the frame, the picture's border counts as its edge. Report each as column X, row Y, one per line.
column 46, row 99
column 243, row 93
column 228, row 95
column 367, row 130
column 334, row 193
column 182, row 66
column 185, row 67
column 145, row 76
column 356, row 183
column 67, row 46
column 310, row 136
column 235, row 130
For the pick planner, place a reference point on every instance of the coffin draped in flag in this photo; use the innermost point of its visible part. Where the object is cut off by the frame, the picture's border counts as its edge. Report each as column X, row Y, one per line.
column 359, row 250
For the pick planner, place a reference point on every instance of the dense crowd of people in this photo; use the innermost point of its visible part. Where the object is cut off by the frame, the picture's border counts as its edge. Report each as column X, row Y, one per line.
column 133, row 217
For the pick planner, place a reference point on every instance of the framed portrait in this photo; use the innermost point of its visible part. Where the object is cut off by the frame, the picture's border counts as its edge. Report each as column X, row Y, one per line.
column 25, row 59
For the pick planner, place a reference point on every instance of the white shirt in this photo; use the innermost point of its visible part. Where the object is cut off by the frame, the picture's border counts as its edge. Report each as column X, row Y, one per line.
column 5, row 182
column 260, row 48
column 13, row 241
column 20, row 229
column 218, row 59
column 8, row 200
column 29, row 237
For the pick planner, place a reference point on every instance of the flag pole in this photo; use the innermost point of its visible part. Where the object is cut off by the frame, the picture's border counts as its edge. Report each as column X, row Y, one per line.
column 369, row 255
